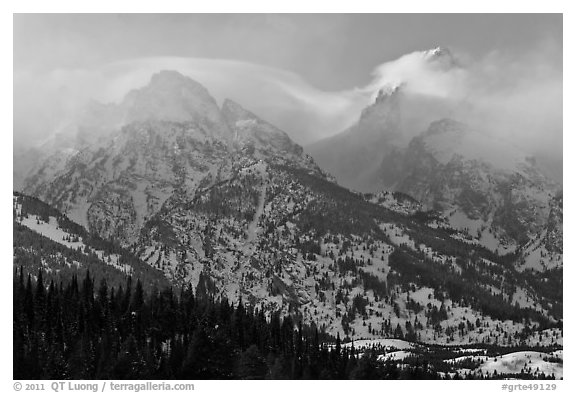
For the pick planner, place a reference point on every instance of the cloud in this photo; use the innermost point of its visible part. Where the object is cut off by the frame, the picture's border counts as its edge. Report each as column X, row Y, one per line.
column 434, row 73
column 514, row 98
column 279, row 96
column 520, row 99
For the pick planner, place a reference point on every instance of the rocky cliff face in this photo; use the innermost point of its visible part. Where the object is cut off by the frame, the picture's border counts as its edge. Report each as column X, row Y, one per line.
column 482, row 184
column 174, row 139
column 260, row 138
column 488, row 188
column 354, row 156
column 220, row 199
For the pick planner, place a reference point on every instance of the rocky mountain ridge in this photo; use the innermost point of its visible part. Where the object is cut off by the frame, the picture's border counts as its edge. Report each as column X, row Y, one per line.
column 226, row 201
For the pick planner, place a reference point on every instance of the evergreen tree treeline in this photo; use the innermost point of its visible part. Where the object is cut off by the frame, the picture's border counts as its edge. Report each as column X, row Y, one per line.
column 88, row 330
column 82, row 329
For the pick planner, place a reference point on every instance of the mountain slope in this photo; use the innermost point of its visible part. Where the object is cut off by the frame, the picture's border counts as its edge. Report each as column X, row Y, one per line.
column 386, row 126
column 45, row 239
column 176, row 141
column 488, row 188
column 340, row 262
column 354, row 156
column 483, row 185
column 226, row 202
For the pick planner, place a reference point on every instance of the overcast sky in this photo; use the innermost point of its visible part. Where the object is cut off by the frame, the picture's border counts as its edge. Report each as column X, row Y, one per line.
column 303, row 72
column 329, row 51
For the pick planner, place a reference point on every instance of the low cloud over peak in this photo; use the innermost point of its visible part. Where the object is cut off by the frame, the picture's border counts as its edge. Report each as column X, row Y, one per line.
column 516, row 98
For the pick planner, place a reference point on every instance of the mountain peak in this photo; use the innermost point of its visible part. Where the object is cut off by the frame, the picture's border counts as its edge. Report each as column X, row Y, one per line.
column 170, row 79
column 442, row 57
column 439, row 51
column 447, row 137
column 388, row 91
column 170, row 82
column 172, row 96
column 167, row 75
column 385, row 110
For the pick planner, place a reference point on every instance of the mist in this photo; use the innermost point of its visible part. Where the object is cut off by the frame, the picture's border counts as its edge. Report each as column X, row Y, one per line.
column 517, row 98
column 47, row 103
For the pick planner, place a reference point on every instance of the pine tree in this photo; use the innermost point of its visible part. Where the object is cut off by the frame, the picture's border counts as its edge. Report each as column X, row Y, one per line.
column 251, row 364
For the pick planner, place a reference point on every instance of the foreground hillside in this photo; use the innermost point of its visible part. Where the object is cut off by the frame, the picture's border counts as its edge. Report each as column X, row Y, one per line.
column 81, row 331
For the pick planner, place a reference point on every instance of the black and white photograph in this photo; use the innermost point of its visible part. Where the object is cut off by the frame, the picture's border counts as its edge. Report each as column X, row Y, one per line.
column 282, row 196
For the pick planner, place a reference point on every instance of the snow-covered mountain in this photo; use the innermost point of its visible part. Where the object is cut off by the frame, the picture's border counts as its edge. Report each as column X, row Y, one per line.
column 482, row 184
column 488, row 187
column 259, row 138
column 545, row 250
column 388, row 123
column 174, row 139
column 47, row 240
column 218, row 198
column 171, row 96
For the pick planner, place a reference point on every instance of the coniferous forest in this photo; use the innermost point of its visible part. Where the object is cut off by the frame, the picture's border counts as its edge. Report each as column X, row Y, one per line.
column 88, row 330
column 84, row 330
